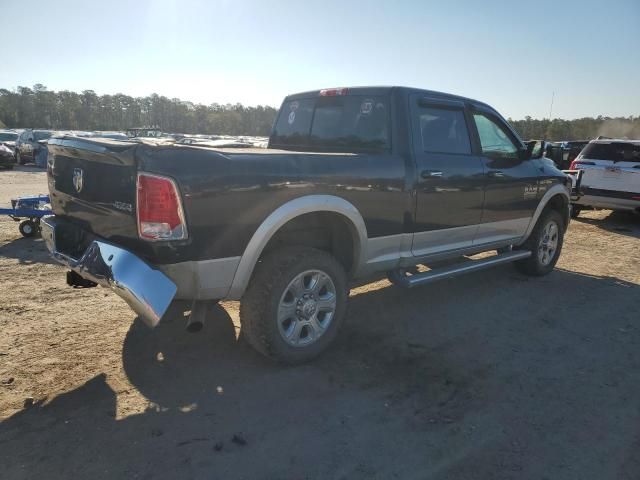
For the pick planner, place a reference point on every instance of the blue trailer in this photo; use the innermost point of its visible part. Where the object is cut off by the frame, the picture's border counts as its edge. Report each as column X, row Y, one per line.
column 28, row 211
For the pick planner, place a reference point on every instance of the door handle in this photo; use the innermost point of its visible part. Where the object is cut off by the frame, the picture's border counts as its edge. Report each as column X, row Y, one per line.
column 430, row 173
column 495, row 173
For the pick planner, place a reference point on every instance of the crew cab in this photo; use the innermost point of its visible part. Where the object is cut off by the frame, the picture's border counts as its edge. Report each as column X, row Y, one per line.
column 610, row 176
column 354, row 181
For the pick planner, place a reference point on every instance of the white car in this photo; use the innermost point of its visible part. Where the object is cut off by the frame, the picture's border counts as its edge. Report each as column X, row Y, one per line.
column 610, row 177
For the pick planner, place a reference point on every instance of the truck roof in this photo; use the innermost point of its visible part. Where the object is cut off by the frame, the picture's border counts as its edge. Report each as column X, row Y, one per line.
column 385, row 90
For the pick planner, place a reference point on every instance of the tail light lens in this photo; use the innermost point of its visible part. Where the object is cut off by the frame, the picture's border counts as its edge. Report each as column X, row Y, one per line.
column 159, row 208
column 576, row 164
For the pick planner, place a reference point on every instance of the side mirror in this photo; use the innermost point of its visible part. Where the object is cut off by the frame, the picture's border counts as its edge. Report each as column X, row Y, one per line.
column 535, row 149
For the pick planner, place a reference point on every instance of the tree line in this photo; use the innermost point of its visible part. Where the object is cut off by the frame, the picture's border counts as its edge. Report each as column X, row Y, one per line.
column 38, row 107
column 578, row 129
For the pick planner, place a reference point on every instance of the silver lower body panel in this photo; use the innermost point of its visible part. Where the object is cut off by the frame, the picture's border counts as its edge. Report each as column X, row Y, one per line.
column 610, row 203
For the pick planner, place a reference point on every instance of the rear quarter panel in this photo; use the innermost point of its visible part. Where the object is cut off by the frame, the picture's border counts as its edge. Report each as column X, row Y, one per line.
column 228, row 194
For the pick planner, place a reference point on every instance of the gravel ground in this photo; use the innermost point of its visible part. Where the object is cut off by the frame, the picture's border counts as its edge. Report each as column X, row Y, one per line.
column 490, row 376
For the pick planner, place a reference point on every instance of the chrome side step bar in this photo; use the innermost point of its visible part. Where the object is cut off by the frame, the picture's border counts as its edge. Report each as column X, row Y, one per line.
column 399, row 278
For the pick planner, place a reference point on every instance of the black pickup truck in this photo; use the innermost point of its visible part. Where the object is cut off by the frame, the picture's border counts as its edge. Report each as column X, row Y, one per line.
column 355, row 181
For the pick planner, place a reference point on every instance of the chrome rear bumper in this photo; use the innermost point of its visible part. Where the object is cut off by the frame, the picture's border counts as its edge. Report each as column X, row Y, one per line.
column 148, row 291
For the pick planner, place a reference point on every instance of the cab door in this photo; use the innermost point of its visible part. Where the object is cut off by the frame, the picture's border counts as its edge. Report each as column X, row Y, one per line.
column 449, row 191
column 510, row 180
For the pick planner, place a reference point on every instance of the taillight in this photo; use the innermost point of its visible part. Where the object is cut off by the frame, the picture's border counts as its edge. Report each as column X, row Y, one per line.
column 159, row 209
column 576, row 164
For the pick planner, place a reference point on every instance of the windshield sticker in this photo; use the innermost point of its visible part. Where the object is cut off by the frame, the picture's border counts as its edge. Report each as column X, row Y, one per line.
column 294, row 106
column 292, row 117
column 366, row 107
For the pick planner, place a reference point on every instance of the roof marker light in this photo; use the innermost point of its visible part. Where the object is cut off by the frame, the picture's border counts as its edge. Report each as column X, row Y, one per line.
column 333, row 92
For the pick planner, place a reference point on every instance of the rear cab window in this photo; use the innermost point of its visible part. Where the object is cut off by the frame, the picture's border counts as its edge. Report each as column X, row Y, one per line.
column 342, row 123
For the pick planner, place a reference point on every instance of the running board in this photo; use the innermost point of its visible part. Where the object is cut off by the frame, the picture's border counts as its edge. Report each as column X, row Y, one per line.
column 408, row 281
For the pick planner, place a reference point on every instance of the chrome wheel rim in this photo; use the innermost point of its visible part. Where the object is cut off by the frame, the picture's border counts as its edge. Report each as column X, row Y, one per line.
column 548, row 243
column 306, row 308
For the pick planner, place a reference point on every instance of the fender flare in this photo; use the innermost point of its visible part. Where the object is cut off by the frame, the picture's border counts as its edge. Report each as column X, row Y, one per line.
column 283, row 214
column 557, row 189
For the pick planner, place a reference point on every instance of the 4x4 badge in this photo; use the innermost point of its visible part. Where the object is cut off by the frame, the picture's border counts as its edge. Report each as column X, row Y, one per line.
column 78, row 180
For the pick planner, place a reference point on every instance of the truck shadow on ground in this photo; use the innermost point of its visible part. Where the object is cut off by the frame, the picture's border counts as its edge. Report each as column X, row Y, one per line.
column 516, row 381
column 625, row 223
column 27, row 250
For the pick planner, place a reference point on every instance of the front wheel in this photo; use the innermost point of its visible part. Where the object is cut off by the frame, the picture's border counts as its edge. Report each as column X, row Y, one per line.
column 28, row 228
column 545, row 244
column 295, row 304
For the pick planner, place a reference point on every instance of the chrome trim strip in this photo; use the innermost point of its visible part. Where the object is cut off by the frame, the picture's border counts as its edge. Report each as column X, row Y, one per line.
column 147, row 291
column 286, row 212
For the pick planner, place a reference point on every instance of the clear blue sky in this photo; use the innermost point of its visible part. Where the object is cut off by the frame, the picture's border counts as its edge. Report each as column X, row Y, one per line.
column 510, row 54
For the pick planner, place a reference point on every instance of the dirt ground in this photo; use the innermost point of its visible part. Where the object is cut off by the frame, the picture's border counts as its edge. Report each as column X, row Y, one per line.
column 490, row 376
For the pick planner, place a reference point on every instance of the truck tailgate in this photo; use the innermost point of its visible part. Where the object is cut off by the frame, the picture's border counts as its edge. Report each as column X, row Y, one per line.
column 619, row 176
column 93, row 183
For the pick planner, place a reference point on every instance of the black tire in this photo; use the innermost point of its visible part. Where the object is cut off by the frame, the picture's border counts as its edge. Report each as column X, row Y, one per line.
column 575, row 211
column 269, row 286
column 28, row 228
column 535, row 265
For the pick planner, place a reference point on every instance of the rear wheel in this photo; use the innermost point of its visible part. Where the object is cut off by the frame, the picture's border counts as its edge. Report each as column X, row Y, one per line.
column 545, row 244
column 295, row 304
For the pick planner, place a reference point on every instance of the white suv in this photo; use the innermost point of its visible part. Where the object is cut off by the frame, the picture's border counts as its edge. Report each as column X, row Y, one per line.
column 610, row 177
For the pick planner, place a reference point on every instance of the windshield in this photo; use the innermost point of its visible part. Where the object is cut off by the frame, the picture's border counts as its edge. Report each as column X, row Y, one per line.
column 351, row 122
column 8, row 136
column 41, row 135
column 614, row 151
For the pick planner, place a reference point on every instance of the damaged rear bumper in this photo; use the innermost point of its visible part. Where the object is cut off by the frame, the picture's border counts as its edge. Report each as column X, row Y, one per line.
column 146, row 290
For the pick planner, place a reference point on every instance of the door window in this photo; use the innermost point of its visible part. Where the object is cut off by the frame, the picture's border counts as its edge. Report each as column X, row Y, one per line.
column 494, row 140
column 443, row 130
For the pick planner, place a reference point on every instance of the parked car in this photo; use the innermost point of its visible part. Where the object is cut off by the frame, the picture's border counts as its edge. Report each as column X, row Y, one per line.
column 563, row 153
column 30, row 144
column 610, row 177
column 7, row 158
column 7, row 148
column 8, row 138
column 354, row 182
column 111, row 135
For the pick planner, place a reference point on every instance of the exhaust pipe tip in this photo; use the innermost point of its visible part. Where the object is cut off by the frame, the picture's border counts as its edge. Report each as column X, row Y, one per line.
column 199, row 309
